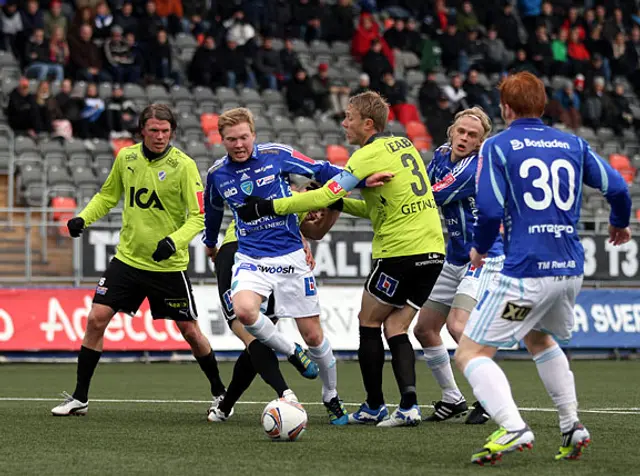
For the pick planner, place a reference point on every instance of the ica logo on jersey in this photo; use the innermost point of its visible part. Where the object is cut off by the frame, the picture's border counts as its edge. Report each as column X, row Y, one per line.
column 143, row 199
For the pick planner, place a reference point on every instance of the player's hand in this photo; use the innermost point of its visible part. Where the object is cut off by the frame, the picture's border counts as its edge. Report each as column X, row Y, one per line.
column 619, row 236
column 477, row 259
column 211, row 253
column 378, row 179
column 308, row 255
column 254, row 208
column 166, row 247
column 75, row 227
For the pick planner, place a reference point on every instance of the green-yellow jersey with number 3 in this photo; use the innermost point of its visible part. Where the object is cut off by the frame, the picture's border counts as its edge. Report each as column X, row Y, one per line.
column 403, row 211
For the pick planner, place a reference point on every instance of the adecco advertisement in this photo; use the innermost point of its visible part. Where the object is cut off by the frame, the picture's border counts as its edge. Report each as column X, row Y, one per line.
column 55, row 319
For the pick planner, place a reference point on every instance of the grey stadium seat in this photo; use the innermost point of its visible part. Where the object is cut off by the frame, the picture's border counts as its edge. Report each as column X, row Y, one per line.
column 74, row 146
column 218, row 151
column 30, row 174
column 55, row 158
column 83, row 159
column 271, row 96
column 25, row 144
column 304, row 124
column 83, row 176
column 34, row 194
column 180, row 93
column 202, row 93
column 196, row 148
column 134, row 91
column 225, row 94
column 156, row 93
column 32, row 158
column 58, row 176
column 282, row 123
column 250, row 95
column 103, row 160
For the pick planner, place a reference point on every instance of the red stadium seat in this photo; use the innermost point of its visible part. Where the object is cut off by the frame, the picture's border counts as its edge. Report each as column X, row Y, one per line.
column 422, row 143
column 117, row 144
column 63, row 211
column 392, row 116
column 619, row 161
column 209, row 122
column 416, row 130
column 337, row 154
column 406, row 113
column 214, row 137
column 628, row 175
column 638, row 213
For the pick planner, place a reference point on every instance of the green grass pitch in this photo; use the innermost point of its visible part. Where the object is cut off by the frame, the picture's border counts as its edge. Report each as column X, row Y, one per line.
column 129, row 437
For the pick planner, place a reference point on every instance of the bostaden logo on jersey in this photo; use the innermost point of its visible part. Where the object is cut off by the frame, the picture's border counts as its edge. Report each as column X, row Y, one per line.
column 540, row 144
column 144, row 199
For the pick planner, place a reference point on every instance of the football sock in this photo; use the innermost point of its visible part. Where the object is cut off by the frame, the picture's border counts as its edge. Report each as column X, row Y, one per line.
column 553, row 368
column 403, row 360
column 266, row 363
column 439, row 363
column 492, row 389
column 209, row 366
column 371, row 359
column 266, row 332
column 87, row 362
column 243, row 375
column 323, row 356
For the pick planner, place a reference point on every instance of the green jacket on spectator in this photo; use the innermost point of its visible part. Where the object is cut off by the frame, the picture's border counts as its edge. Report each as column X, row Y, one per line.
column 559, row 50
column 430, row 58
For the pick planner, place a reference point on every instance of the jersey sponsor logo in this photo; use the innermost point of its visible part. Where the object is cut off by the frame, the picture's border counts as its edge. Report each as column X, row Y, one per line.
column 270, row 151
column 300, row 156
column 200, row 198
column 473, row 272
column 540, row 144
column 138, row 198
column 130, row 157
column 545, row 265
column 397, row 144
column 276, row 269
column 310, row 286
column 172, row 162
column 246, row 187
column 556, row 230
column 162, row 175
column 451, row 221
column 247, row 266
column 226, row 182
column 263, row 169
column 101, row 290
column 230, row 192
column 515, row 313
column 415, row 207
column 335, row 188
column 177, row 303
column 444, row 183
column 265, row 180
column 387, row 284
column 244, row 177
column 102, row 281
column 228, row 304
column 240, row 171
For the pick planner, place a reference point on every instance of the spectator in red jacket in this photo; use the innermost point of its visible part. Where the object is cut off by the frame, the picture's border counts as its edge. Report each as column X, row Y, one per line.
column 367, row 31
column 577, row 52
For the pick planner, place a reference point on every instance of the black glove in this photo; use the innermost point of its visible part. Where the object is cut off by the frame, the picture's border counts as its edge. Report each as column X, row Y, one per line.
column 254, row 208
column 75, row 227
column 165, row 249
column 337, row 205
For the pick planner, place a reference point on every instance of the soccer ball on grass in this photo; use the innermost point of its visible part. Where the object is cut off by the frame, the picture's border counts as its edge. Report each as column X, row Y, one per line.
column 283, row 420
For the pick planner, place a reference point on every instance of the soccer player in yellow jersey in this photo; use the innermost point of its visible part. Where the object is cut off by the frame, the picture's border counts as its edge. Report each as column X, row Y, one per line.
column 408, row 249
column 163, row 211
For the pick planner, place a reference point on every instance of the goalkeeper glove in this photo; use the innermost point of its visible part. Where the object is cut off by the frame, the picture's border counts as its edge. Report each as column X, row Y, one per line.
column 165, row 249
column 254, row 208
column 75, row 227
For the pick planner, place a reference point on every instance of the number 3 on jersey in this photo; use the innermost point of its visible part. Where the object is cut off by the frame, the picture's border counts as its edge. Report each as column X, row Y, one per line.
column 420, row 188
column 550, row 193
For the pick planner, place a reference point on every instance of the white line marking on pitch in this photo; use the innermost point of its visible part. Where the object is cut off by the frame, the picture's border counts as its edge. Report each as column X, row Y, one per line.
column 617, row 410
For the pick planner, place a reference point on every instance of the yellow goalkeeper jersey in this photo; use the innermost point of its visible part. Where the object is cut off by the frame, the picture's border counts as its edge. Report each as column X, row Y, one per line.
column 163, row 197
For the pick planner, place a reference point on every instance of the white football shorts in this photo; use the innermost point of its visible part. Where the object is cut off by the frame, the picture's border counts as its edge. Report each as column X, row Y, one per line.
column 466, row 280
column 512, row 307
column 288, row 277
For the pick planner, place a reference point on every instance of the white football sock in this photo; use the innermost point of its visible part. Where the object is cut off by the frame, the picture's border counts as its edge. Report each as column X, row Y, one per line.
column 266, row 332
column 323, row 356
column 492, row 389
column 439, row 363
column 553, row 368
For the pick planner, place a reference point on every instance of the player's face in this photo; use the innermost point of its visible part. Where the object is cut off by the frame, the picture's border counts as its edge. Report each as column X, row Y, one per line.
column 238, row 140
column 353, row 126
column 466, row 136
column 156, row 134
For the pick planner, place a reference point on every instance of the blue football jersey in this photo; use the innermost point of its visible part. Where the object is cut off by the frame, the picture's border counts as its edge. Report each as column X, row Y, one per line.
column 530, row 177
column 266, row 175
column 454, row 189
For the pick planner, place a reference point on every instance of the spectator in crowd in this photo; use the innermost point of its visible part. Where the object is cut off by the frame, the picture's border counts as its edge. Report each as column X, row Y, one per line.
column 11, row 27
column 614, row 25
column 122, row 113
column 394, row 90
column 466, row 20
column 328, row 95
column 452, row 44
column 86, row 57
column 414, row 38
column 622, row 116
column 171, row 13
column 475, row 53
column 439, row 120
column 578, row 87
column 93, row 122
column 574, row 22
column 22, row 110
column 148, row 25
column 289, row 60
column 306, row 16
column 103, row 21
column 234, row 61
column 60, row 125
column 478, row 95
column 58, row 52
column 430, row 56
column 601, row 15
column 598, row 109
column 634, row 46
column 624, row 59
column 589, row 22
column 69, row 106
column 375, row 64
column 195, row 13
column 507, row 27
column 83, row 16
column 340, row 27
column 206, row 68
column 267, row 65
column 54, row 18
column 300, row 97
column 396, row 36
column 597, row 67
column 120, row 58
column 32, row 18
column 43, row 108
column 241, row 32
column 540, row 51
column 365, row 34
column 595, row 44
column 37, row 56
column 124, row 18
column 522, row 63
column 364, row 84
column 429, row 94
column 565, row 106
column 160, row 63
column 456, row 95
column 498, row 57
column 529, row 11
column 559, row 49
column 577, row 52
column 549, row 19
